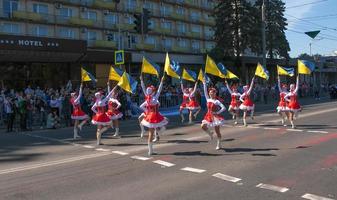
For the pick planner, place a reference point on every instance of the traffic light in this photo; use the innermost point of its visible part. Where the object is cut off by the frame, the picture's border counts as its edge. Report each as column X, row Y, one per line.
column 138, row 23
column 146, row 23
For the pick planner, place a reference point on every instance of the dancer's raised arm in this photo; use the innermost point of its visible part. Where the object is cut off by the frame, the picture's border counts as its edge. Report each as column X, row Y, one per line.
column 195, row 88
column 142, row 84
column 228, row 88
column 251, row 85
column 109, row 94
column 205, row 89
column 79, row 94
column 279, row 84
column 160, row 87
column 297, row 84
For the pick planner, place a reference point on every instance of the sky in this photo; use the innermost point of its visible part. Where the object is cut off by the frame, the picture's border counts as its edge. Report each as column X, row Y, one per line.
column 316, row 15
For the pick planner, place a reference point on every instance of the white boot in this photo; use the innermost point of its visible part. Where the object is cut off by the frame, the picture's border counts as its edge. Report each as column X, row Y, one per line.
column 156, row 136
column 218, row 144
column 252, row 114
column 150, row 148
column 116, row 132
column 245, row 123
column 81, row 125
column 76, row 133
column 99, row 135
column 282, row 121
column 210, row 133
column 182, row 118
column 142, row 130
column 292, row 125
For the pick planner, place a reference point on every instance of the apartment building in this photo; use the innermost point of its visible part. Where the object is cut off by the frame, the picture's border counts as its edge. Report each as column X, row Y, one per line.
column 62, row 35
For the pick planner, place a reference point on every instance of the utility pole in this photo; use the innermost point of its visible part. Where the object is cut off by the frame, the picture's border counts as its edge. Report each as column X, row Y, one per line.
column 264, row 62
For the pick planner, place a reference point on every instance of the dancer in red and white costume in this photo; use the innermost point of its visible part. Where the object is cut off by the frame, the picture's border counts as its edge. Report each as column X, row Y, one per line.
column 235, row 102
column 153, row 119
column 78, row 114
column 101, row 119
column 193, row 105
column 293, row 106
column 213, row 117
column 113, row 112
column 247, row 104
column 186, row 99
column 282, row 105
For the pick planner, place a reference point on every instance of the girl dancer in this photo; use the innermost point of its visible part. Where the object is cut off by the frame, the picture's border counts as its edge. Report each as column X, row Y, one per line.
column 186, row 94
column 153, row 119
column 282, row 105
column 213, row 117
column 247, row 104
column 193, row 104
column 78, row 114
column 293, row 105
column 235, row 102
column 101, row 119
column 113, row 112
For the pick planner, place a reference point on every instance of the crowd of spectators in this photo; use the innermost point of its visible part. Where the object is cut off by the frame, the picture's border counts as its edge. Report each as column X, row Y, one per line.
column 50, row 108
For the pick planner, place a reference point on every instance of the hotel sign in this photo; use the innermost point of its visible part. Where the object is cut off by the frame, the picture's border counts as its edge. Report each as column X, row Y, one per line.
column 13, row 42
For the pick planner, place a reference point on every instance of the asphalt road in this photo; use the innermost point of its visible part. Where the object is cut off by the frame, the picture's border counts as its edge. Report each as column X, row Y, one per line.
column 262, row 161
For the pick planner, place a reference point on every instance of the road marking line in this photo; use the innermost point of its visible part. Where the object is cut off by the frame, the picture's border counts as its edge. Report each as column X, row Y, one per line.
column 140, row 158
column 294, row 130
column 195, row 170
column 226, row 177
column 51, row 163
column 88, row 146
column 272, row 187
column 318, row 132
column 100, row 149
column 314, row 197
column 253, row 127
column 120, row 153
column 271, row 128
column 164, row 163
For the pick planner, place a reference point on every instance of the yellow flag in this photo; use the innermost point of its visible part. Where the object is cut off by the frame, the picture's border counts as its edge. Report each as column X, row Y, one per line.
column 212, row 68
column 171, row 68
column 115, row 73
column 261, row 72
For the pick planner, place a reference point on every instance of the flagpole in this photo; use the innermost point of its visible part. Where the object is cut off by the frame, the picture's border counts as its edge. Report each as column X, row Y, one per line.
column 264, row 62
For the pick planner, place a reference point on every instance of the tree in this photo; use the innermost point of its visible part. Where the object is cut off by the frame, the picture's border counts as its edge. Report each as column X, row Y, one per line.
column 276, row 42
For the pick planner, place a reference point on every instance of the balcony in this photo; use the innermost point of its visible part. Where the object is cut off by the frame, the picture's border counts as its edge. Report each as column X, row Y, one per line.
column 125, row 26
column 144, row 46
column 81, row 21
column 180, row 49
column 28, row 16
column 177, row 16
column 205, row 50
column 103, row 44
column 191, row 3
column 104, row 5
column 193, row 34
column 163, row 30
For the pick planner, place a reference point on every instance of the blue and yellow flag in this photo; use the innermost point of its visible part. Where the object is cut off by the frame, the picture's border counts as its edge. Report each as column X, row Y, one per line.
column 189, row 75
column 202, row 76
column 127, row 83
column 305, row 67
column 172, row 68
column 115, row 73
column 149, row 67
column 286, row 71
column 227, row 74
column 262, row 72
column 212, row 68
column 86, row 76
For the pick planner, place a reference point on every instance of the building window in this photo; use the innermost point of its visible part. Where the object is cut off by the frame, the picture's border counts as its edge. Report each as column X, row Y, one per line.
column 40, row 31
column 181, row 10
column 167, row 43
column 149, row 6
column 152, row 24
column 209, row 45
column 182, row 43
column 131, row 4
column 9, row 6
column 92, row 15
column 40, row 8
column 110, row 36
column 195, row 28
column 165, row 10
column 181, row 27
column 195, row 45
column 111, row 19
column 66, row 12
column 11, row 28
column 150, row 40
column 66, row 33
column 91, row 35
column 166, row 25
column 130, row 20
column 195, row 15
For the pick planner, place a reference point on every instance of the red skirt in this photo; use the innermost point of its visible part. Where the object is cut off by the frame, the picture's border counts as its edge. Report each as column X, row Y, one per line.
column 154, row 120
column 193, row 105
column 213, row 120
column 234, row 106
column 183, row 105
column 294, row 106
column 114, row 114
column 282, row 106
column 78, row 114
column 247, row 105
column 101, row 119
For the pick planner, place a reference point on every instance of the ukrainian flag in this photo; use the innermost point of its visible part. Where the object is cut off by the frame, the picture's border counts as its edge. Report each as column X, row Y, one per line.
column 227, row 74
column 262, row 72
column 115, row 73
column 86, row 76
column 149, row 67
column 189, row 75
column 202, row 76
column 127, row 83
column 212, row 68
column 305, row 67
column 172, row 68
column 286, row 71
